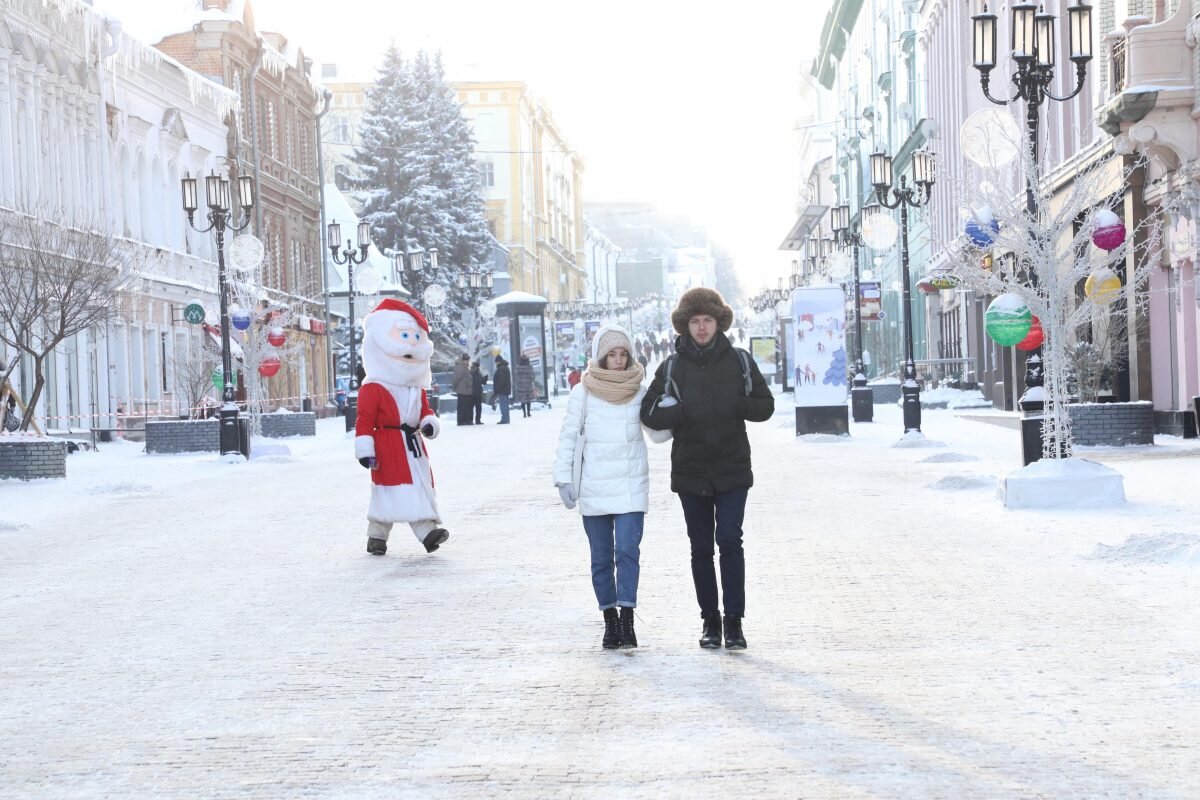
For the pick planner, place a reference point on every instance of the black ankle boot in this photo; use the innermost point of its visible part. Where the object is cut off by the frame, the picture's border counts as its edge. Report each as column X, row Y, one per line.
column 734, row 640
column 612, row 630
column 628, row 638
column 710, row 638
column 376, row 547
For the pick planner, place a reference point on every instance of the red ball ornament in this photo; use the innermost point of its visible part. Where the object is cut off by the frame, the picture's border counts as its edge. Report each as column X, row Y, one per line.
column 1033, row 340
column 269, row 366
column 276, row 336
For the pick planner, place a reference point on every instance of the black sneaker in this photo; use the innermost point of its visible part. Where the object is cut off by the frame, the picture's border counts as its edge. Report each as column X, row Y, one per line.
column 436, row 538
column 376, row 547
column 612, row 630
column 628, row 637
column 734, row 640
column 710, row 637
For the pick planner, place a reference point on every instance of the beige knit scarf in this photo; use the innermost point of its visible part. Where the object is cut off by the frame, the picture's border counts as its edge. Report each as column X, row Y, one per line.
column 617, row 386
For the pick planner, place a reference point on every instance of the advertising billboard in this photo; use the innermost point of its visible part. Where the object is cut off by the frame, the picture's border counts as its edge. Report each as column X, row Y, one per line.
column 819, row 344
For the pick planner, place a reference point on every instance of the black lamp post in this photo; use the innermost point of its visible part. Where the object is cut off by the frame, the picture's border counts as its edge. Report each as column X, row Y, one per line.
column 348, row 258
column 862, row 397
column 417, row 274
column 1033, row 48
column 903, row 197
column 221, row 215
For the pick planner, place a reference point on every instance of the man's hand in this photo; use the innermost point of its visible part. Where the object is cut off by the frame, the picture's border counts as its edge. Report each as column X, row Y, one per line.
column 567, row 492
column 666, row 401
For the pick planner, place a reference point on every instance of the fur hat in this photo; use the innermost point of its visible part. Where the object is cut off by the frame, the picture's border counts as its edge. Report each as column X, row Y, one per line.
column 701, row 300
column 607, row 338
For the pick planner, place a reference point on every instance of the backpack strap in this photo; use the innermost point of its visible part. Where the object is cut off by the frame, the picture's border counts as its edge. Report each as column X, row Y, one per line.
column 744, row 358
column 669, row 386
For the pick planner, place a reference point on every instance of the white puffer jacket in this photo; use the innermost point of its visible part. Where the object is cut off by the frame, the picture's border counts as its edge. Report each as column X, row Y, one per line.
column 616, row 472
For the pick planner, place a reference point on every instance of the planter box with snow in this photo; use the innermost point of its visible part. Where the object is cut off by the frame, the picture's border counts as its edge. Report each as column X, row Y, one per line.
column 31, row 458
column 184, row 436
column 283, row 425
column 1112, row 424
column 885, row 392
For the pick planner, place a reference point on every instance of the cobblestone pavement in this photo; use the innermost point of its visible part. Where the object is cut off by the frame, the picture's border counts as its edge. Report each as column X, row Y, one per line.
column 228, row 637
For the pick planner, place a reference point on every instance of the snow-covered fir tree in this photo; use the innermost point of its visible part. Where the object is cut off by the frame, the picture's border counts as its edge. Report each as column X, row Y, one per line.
column 419, row 185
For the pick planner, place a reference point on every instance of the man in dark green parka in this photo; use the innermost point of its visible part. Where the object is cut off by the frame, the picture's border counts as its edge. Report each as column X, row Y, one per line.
column 707, row 406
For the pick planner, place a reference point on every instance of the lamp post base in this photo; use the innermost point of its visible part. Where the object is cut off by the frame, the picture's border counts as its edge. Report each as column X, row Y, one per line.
column 233, row 438
column 911, row 394
column 351, row 410
column 862, row 400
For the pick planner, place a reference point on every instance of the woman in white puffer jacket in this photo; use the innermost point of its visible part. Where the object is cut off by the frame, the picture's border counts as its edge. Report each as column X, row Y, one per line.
column 613, row 491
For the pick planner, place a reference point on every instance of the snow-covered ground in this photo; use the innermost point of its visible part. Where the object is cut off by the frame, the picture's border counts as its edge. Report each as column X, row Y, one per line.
column 172, row 626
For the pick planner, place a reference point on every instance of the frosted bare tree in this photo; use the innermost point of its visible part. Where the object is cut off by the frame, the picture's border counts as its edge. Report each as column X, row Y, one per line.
column 1044, row 253
column 193, row 379
column 61, row 275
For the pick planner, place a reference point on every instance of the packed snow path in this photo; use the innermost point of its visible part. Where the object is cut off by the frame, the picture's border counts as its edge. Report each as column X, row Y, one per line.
column 174, row 627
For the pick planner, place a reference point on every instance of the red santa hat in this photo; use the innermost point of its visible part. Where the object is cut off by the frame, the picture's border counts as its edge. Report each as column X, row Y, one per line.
column 391, row 304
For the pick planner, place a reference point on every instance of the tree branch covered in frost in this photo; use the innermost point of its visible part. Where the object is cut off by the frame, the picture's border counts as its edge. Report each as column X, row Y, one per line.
column 1046, row 257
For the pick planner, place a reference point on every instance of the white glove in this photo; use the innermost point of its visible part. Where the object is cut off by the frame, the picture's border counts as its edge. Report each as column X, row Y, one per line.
column 567, row 492
column 666, row 401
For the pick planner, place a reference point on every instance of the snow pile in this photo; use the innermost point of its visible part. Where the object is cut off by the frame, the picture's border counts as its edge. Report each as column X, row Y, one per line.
column 262, row 449
column 823, row 438
column 1062, row 483
column 916, row 439
column 954, row 398
column 958, row 483
column 947, row 458
column 123, row 488
column 1163, row 548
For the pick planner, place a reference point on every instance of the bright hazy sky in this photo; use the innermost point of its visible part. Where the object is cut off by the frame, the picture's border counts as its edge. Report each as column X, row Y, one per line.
column 689, row 105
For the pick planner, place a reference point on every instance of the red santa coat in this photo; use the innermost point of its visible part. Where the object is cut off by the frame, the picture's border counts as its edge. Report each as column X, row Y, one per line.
column 402, row 487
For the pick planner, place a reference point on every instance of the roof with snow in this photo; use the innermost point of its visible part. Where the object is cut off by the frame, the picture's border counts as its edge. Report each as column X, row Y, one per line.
column 518, row 297
column 338, row 209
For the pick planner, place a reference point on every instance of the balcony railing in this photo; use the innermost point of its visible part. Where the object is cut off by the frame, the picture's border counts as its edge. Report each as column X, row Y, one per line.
column 1117, row 63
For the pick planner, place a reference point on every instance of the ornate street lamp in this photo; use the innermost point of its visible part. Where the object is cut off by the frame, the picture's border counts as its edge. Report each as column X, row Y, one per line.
column 1033, row 49
column 904, row 197
column 862, row 397
column 221, row 215
column 349, row 259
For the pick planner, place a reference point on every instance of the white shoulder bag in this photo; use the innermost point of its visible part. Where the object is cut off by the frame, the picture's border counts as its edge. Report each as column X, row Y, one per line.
column 577, row 462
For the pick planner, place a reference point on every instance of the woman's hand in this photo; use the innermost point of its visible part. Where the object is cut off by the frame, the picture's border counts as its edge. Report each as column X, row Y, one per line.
column 567, row 492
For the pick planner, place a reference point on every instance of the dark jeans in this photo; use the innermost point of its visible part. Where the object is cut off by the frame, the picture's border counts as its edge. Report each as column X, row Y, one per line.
column 465, row 402
column 477, row 405
column 717, row 518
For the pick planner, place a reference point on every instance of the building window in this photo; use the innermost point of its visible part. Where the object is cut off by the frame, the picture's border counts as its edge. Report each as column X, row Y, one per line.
column 341, row 129
column 487, row 174
column 340, row 176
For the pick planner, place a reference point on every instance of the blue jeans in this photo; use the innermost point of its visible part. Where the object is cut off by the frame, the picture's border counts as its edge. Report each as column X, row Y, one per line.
column 717, row 519
column 625, row 531
column 502, row 399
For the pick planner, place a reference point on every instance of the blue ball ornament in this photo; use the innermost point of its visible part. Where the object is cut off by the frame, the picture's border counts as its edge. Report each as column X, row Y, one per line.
column 240, row 319
column 982, row 235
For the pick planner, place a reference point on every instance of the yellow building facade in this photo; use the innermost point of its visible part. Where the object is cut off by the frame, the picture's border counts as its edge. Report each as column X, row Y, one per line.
column 532, row 181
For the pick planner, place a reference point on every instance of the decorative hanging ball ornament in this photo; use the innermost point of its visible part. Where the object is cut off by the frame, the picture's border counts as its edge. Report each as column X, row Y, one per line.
column 1102, row 286
column 1033, row 340
column 276, row 336
column 1110, row 231
column 982, row 227
column 1008, row 319
column 269, row 366
column 240, row 317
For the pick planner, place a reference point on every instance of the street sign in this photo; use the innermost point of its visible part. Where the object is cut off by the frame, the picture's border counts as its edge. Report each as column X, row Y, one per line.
column 193, row 313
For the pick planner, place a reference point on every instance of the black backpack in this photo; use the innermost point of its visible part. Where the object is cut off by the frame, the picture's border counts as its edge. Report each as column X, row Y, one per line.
column 672, row 389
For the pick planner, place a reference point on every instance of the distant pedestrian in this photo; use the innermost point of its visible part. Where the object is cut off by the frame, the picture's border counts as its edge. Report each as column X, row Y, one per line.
column 573, row 378
column 525, row 387
column 707, row 408
column 478, row 379
column 611, row 482
column 643, row 360
column 502, row 387
column 463, row 388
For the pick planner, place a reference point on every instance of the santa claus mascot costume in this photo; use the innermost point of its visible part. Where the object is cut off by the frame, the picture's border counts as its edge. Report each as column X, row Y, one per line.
column 394, row 418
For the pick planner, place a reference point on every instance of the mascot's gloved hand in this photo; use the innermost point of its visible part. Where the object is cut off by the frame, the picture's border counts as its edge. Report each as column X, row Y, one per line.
column 567, row 492
column 369, row 462
column 431, row 427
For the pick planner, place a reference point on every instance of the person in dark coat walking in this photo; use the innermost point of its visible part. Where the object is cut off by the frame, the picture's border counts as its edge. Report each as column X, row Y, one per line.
column 525, row 388
column 707, row 408
column 478, row 379
column 502, row 387
column 463, row 388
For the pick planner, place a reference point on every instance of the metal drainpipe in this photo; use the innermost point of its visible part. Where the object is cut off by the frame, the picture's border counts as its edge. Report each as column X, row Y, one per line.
column 258, row 223
column 328, row 98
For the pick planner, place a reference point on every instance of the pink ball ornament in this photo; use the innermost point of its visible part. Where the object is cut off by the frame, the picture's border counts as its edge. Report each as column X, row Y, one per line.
column 276, row 336
column 1110, row 231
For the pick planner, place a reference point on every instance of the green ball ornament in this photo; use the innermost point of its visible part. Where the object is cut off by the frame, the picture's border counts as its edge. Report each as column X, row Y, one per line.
column 1008, row 320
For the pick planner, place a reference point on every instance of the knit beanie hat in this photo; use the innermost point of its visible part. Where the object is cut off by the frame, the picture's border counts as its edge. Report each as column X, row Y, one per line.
column 697, row 301
column 609, row 338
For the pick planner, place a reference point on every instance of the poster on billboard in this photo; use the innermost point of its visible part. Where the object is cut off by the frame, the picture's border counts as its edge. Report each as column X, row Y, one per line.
column 530, row 335
column 870, row 301
column 789, row 355
column 819, row 344
column 589, row 332
column 763, row 349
